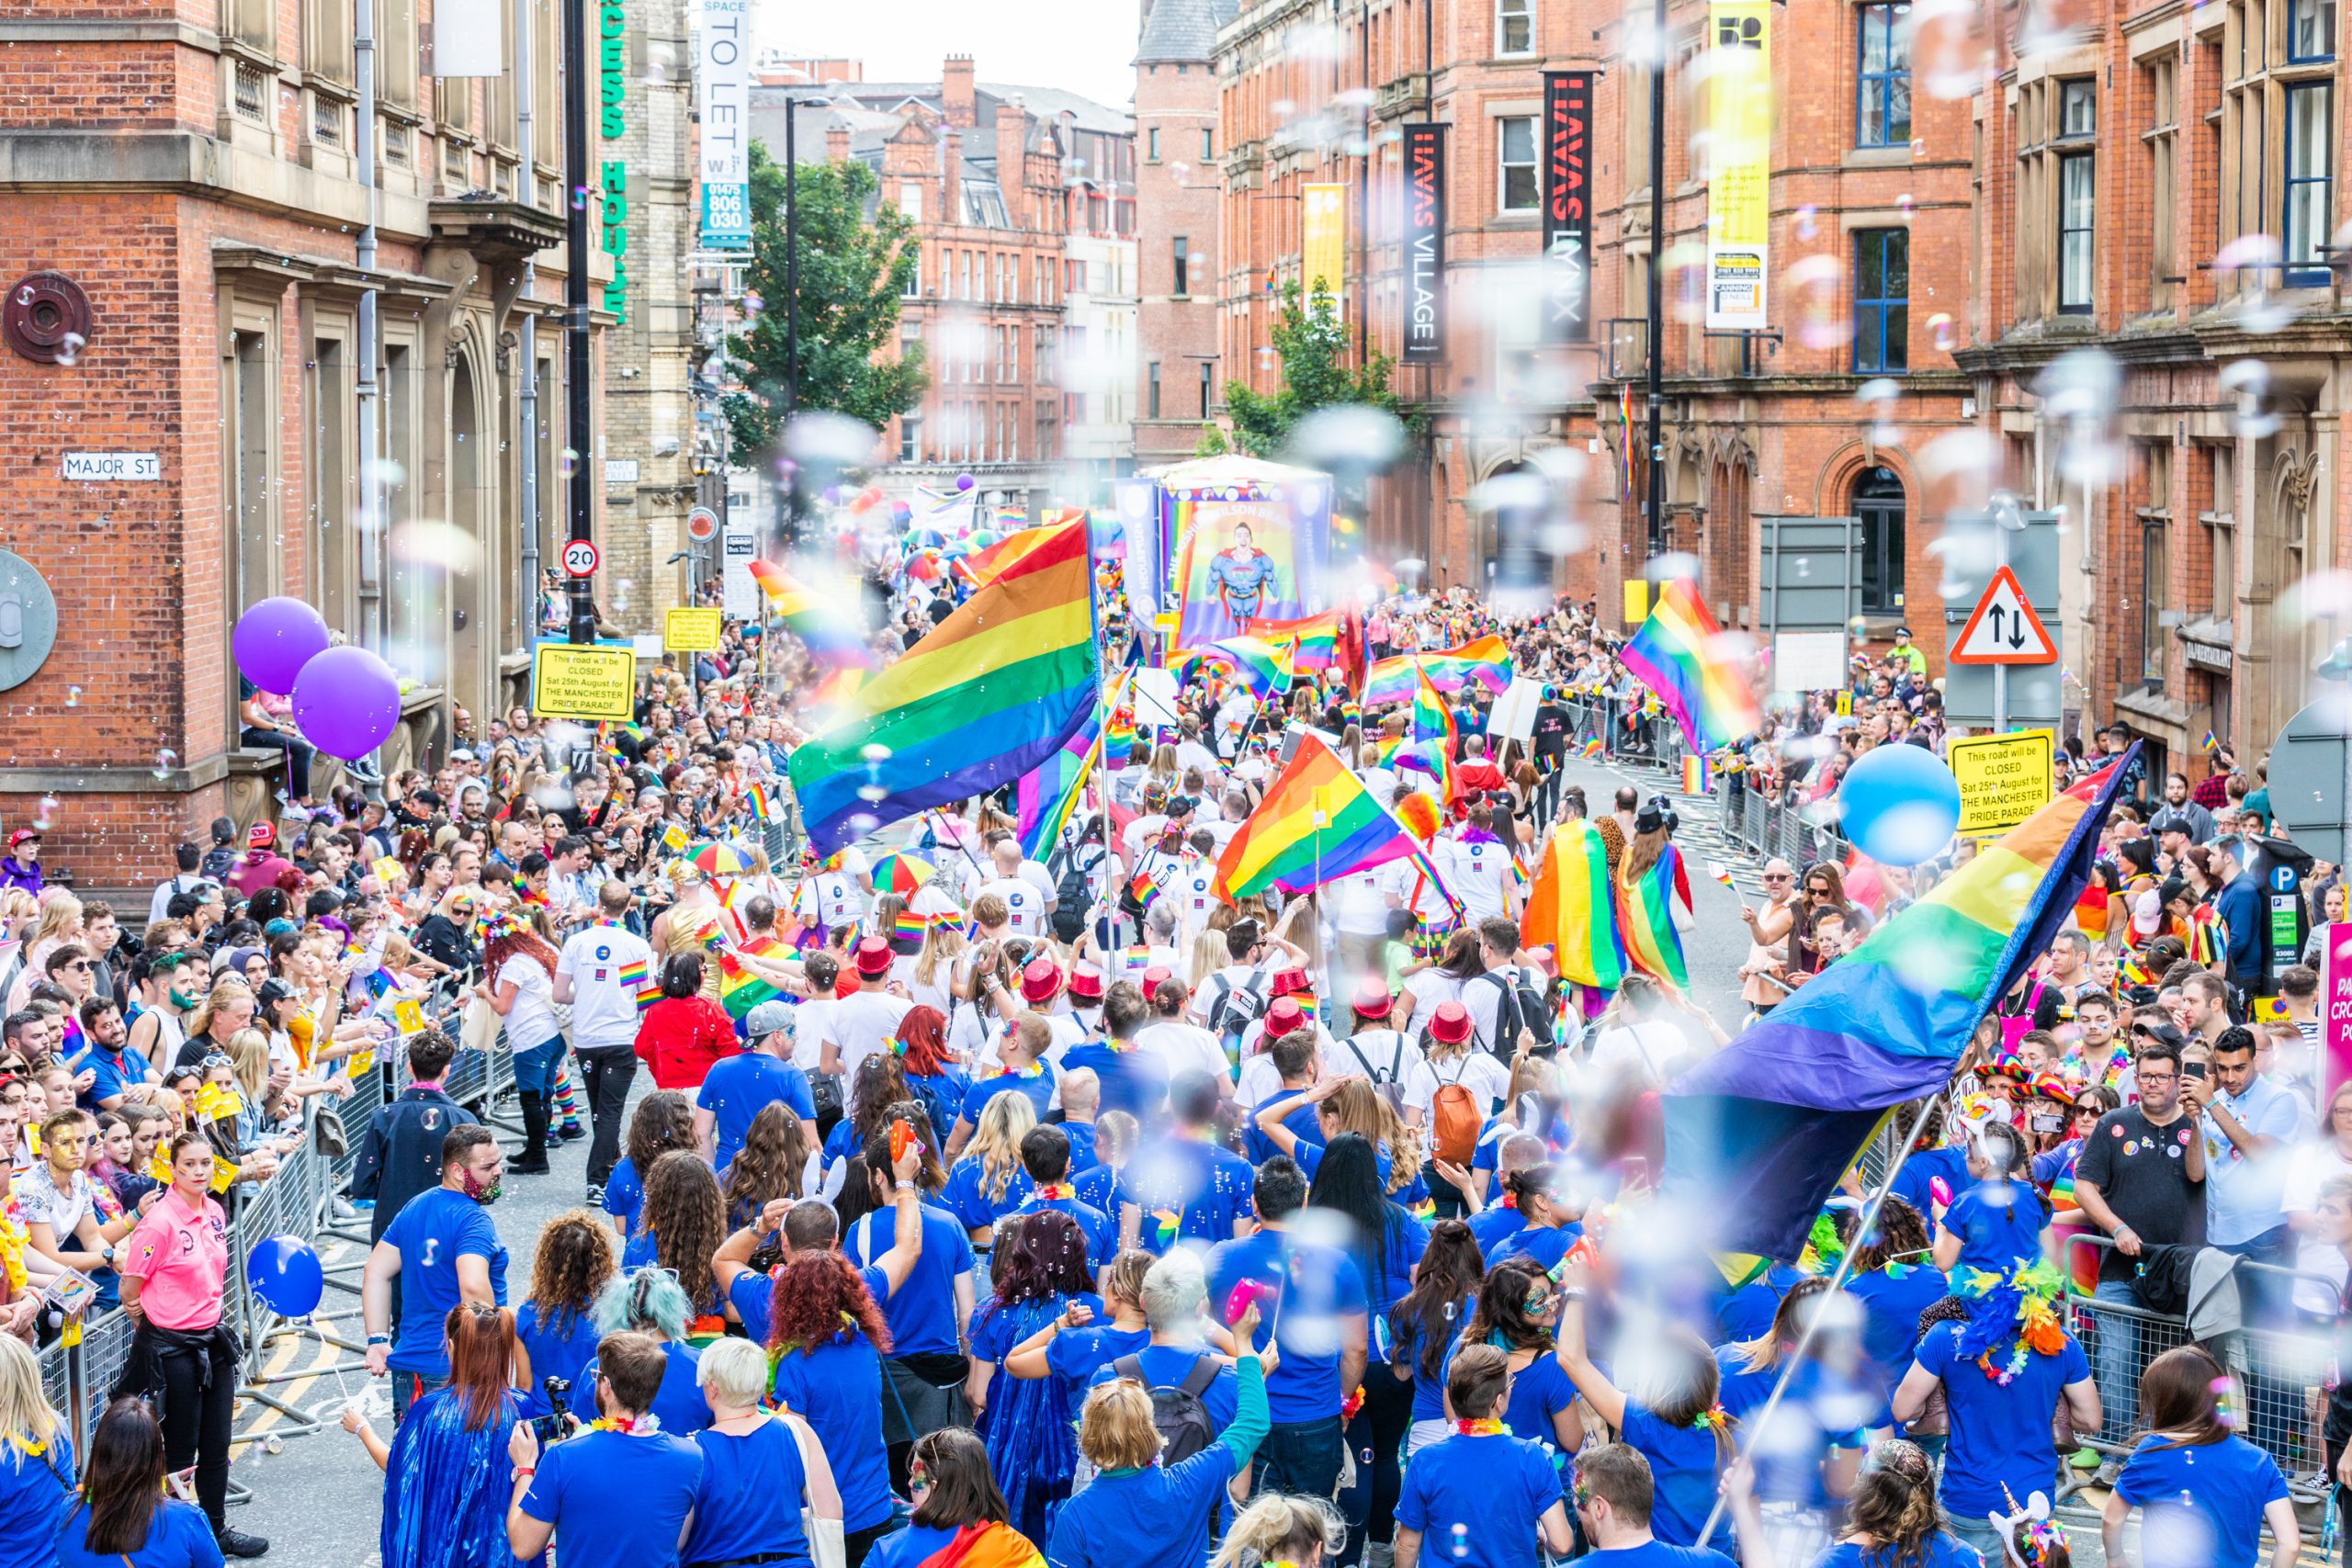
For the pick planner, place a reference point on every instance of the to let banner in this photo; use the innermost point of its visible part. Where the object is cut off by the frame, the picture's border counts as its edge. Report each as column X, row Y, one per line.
column 1568, row 206
column 1739, row 100
column 1323, row 246
column 723, row 91
column 1424, row 242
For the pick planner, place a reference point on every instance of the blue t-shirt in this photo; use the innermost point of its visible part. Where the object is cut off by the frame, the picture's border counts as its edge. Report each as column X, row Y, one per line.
column 1402, row 1242
column 1543, row 1244
column 1999, row 1226
column 1304, row 1126
column 1098, row 1185
column 1658, row 1555
column 638, row 1251
column 1539, row 1391
column 1682, row 1474
column 965, row 1196
column 617, row 1500
column 739, row 1087
column 1314, row 1284
column 1476, row 1501
column 753, row 1291
column 1788, row 1464
column 625, row 1194
column 555, row 1353
column 750, row 1502
column 2000, row 1434
column 1133, row 1081
column 1075, row 1355
column 1939, row 1551
column 909, row 1547
column 1166, row 1366
column 837, row 1389
column 111, row 1074
column 1205, row 1187
column 1153, row 1518
column 678, row 1404
column 2203, row 1506
column 36, row 1494
column 1038, row 1087
column 1746, row 1312
column 178, row 1536
column 1081, row 1145
column 1929, row 1174
column 842, row 1142
column 432, row 1231
column 921, row 1314
column 1496, row 1226
column 1893, row 1298
column 1101, row 1232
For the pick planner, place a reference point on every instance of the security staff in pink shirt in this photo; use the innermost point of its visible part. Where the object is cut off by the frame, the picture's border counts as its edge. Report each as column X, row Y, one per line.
column 185, row 1353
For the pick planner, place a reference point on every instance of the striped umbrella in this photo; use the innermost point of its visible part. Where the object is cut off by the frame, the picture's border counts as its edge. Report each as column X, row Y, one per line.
column 901, row 873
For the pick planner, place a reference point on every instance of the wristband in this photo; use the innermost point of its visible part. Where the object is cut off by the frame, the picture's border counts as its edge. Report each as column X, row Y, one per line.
column 375, row 1339
column 905, row 1187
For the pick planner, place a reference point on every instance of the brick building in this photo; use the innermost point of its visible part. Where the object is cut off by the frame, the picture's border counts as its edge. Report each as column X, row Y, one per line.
column 190, row 170
column 1178, row 358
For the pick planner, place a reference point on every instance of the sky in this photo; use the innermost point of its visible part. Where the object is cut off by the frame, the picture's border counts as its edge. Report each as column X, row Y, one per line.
column 1084, row 46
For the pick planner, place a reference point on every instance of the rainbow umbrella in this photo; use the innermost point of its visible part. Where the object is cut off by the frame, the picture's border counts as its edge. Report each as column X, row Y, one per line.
column 714, row 859
column 901, row 873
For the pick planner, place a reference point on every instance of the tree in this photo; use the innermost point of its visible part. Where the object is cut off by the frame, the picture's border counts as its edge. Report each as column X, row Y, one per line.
column 1211, row 443
column 854, row 270
column 1313, row 346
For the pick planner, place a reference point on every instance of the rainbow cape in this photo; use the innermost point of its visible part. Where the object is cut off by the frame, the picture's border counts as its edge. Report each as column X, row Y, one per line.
column 1486, row 661
column 1646, row 918
column 1316, row 823
column 740, row 990
column 1680, row 655
column 1570, row 911
column 980, row 701
column 1317, row 637
column 1757, row 1133
column 831, row 637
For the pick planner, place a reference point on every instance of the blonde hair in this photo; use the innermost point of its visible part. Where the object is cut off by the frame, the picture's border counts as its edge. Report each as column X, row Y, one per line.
column 249, row 1057
column 1356, row 1107
column 1208, row 957
column 734, row 1369
column 1276, row 1529
column 60, row 913
column 1116, row 1130
column 228, row 986
column 941, row 943
column 24, row 1409
column 1005, row 1120
column 1114, row 1430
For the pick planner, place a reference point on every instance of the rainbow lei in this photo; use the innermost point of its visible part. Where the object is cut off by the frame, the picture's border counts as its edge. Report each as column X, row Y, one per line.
column 1482, row 1426
column 1055, row 1191
column 1353, row 1402
column 1031, row 1071
column 1170, row 1223
column 1712, row 1419
column 638, row 1426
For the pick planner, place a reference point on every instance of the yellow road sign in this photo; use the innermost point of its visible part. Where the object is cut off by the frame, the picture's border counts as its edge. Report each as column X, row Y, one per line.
column 2004, row 779
column 583, row 681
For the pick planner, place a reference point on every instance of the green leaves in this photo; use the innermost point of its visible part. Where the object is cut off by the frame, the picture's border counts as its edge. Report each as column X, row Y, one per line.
column 1313, row 348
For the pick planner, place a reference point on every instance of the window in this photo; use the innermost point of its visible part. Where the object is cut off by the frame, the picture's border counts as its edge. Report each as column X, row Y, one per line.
column 2075, row 227
column 2162, row 140
column 2221, row 529
column 397, row 56
column 1881, row 299
column 2311, row 31
column 1516, row 151
column 910, row 203
column 251, row 22
column 965, row 292
column 1207, row 370
column 2077, row 109
column 1151, row 144
column 1045, row 415
column 1183, row 260
column 912, row 288
column 1514, row 27
column 1151, row 389
column 1882, row 77
column 910, row 339
column 326, row 40
column 910, row 438
column 327, row 545
column 1208, row 143
column 1074, row 277
column 2155, row 561
column 1878, row 504
column 2310, row 170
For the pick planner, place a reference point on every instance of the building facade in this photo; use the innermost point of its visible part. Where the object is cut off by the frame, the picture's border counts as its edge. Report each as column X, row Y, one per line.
column 181, row 193
column 1179, row 360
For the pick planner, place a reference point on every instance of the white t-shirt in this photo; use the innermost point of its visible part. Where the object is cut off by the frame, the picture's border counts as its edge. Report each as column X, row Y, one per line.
column 1207, row 994
column 1645, row 1047
column 1024, row 907
column 2307, row 1168
column 1480, row 875
column 1258, row 1077
column 1184, row 1048
column 830, row 898
column 1193, row 754
column 862, row 1021
column 1381, row 783
column 530, row 1021
column 1359, row 908
column 603, row 1011
column 1129, row 964
column 1195, row 894
column 1414, row 890
column 812, row 1026
column 1484, row 1076
column 1141, row 831
column 1431, row 990
column 1484, row 997
column 1387, row 1055
column 1033, row 872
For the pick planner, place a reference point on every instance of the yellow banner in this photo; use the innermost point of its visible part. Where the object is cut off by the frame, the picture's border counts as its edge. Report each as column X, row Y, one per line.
column 1323, row 246
column 691, row 630
column 1739, row 175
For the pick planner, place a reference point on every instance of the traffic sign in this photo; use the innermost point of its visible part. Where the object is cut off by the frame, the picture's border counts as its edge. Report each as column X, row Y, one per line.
column 692, row 629
column 702, row 525
column 2004, row 779
column 579, row 558
column 586, row 682
column 2308, row 765
column 2003, row 629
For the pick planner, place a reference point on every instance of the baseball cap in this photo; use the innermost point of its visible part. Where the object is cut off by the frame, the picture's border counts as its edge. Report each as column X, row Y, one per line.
column 1451, row 1025
column 273, row 990
column 260, row 836
column 768, row 1018
column 873, row 958
column 1040, row 981
column 2164, row 1033
column 21, row 834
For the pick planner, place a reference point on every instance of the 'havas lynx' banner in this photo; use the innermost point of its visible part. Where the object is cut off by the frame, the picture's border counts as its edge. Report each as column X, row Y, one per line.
column 1739, row 93
column 1568, row 206
column 1323, row 247
column 1424, row 242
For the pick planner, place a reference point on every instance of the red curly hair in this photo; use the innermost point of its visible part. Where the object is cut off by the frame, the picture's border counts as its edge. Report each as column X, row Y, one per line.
column 923, row 1031
column 814, row 1292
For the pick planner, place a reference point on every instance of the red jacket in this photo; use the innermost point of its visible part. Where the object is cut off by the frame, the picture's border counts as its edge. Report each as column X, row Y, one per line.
column 680, row 1037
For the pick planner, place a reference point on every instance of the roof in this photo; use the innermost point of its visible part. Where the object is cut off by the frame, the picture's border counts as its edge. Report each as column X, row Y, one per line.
column 1182, row 29
column 1047, row 103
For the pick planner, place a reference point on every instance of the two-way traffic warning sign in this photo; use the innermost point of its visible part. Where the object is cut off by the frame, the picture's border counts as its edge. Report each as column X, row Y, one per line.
column 2003, row 629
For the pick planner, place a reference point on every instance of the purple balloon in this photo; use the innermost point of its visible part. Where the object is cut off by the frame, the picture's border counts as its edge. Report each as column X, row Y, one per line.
column 963, row 481
column 274, row 639
column 347, row 702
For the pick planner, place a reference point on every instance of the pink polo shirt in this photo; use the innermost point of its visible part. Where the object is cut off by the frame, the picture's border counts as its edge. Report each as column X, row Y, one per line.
column 180, row 1256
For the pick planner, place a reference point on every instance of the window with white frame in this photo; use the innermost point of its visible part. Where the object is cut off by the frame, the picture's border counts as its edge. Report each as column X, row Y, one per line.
column 1517, row 187
column 1514, row 27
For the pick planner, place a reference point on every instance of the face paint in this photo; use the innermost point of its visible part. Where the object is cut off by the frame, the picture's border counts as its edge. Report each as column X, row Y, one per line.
column 474, row 1188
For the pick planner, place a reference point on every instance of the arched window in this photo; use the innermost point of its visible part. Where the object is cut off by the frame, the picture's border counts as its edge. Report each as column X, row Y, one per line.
column 1878, row 502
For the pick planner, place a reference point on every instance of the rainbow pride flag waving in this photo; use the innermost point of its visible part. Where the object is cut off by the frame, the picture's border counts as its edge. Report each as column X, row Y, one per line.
column 1316, row 824
column 1486, row 661
column 1679, row 654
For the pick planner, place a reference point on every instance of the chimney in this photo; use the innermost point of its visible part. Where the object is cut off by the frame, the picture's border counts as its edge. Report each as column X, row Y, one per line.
column 951, row 173
column 957, row 98
column 1012, row 159
column 836, row 141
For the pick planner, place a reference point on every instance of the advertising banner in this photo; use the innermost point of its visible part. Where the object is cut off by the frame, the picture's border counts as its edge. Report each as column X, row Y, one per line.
column 1568, row 206
column 1323, row 246
column 1241, row 559
column 723, row 100
column 1739, row 179
column 1424, row 242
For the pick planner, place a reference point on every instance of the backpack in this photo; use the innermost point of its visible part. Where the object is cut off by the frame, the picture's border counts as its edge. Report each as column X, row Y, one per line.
column 1388, row 1082
column 1455, row 1121
column 1072, row 898
column 1521, row 1006
column 1177, row 1413
column 1236, row 1008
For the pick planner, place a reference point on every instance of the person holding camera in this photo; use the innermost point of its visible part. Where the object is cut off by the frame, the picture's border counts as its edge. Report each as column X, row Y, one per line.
column 443, row 1505
column 620, row 1494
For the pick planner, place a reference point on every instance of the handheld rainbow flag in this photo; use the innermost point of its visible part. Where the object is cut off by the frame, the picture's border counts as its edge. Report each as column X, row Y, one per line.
column 1435, row 739
column 759, row 801
column 1264, row 665
column 639, row 978
column 1570, row 910
column 1720, row 871
column 1679, row 655
column 831, row 637
column 1757, row 1133
column 1317, row 638
column 1486, row 661
column 980, row 702
column 1315, row 823
column 740, row 990
column 1044, row 799
column 1697, row 777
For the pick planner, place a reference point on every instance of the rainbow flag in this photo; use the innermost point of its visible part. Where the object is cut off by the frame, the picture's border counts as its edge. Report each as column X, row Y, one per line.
column 2090, row 911
column 831, row 637
column 1646, row 918
column 1314, row 824
column 1696, row 776
column 1144, row 887
column 2208, row 935
column 1679, row 655
column 1759, row 1132
column 1591, row 747
column 1317, row 637
column 985, row 564
column 1044, row 799
column 638, row 978
column 1264, row 665
column 740, row 990
column 986, row 1545
column 759, row 801
column 982, row 700
column 1569, row 908
column 1486, row 661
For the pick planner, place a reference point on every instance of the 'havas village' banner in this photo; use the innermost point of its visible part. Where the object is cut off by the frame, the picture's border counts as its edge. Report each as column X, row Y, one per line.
column 1424, row 242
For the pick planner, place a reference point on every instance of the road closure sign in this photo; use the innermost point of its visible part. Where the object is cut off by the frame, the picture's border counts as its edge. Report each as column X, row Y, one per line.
column 2004, row 779
column 586, row 682
column 691, row 630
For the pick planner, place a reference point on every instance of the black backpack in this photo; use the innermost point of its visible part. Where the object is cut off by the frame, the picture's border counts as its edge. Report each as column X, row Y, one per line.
column 1071, row 898
column 1236, row 1008
column 1177, row 1413
column 1521, row 1006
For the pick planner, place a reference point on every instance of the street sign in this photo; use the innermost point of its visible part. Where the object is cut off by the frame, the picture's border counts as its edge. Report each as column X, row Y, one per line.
column 587, row 682
column 2004, row 779
column 691, row 630
column 579, row 558
column 702, row 525
column 1808, row 577
column 1972, row 546
column 739, row 590
column 2307, row 767
column 2003, row 629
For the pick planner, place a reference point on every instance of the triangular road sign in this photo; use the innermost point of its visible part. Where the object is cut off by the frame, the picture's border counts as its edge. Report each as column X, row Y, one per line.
column 2003, row 629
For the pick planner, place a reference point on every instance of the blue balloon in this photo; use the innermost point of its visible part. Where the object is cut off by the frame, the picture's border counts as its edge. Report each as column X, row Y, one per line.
column 284, row 1272
column 1900, row 805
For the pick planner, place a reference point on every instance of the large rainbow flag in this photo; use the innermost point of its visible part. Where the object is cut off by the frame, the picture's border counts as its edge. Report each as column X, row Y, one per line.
column 1043, row 799
column 1316, row 824
column 1317, row 638
column 984, row 566
column 1435, row 738
column 982, row 700
column 740, row 990
column 1646, row 918
column 832, row 637
column 1263, row 664
column 1757, row 1134
column 1679, row 655
column 1486, row 661
column 1571, row 909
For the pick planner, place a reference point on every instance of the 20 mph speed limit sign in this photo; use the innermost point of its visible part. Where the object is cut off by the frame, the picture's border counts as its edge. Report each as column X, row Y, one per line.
column 579, row 558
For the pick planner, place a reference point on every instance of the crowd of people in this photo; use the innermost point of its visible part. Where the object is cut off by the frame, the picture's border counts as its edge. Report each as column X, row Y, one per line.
column 947, row 1205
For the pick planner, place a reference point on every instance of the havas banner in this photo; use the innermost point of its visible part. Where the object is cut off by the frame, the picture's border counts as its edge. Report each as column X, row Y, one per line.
column 1424, row 242
column 1323, row 248
column 1568, row 206
column 723, row 85
column 1739, row 97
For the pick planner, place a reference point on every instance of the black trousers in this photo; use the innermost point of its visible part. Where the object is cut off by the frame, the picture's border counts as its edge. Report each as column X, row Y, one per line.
column 606, row 1074
column 197, row 1419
